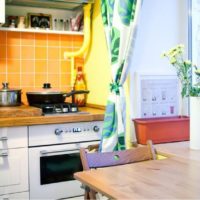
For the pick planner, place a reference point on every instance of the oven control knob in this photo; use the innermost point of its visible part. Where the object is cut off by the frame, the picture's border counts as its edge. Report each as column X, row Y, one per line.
column 96, row 129
column 58, row 131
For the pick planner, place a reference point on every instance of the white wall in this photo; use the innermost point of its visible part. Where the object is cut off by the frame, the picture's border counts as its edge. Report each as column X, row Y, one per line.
column 163, row 24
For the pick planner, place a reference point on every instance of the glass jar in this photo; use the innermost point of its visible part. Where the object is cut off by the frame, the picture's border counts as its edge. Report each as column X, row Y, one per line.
column 60, row 25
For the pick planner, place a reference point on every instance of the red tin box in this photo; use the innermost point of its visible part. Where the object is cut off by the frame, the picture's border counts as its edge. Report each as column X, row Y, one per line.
column 161, row 130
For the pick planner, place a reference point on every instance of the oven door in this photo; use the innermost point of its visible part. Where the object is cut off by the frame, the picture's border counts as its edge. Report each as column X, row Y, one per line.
column 51, row 171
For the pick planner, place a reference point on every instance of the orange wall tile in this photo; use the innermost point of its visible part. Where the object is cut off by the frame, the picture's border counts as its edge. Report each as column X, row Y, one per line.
column 27, row 80
column 3, row 51
column 66, row 40
column 40, row 79
column 13, row 66
column 53, row 53
column 2, row 77
column 41, row 66
column 77, row 40
column 53, row 67
column 13, row 80
column 27, row 60
column 2, row 37
column 41, row 39
column 27, row 66
column 27, row 39
column 13, row 52
column 27, row 52
column 53, row 40
column 3, row 68
column 41, row 53
column 13, row 38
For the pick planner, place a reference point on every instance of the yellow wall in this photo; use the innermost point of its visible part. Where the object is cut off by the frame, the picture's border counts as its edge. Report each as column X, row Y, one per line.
column 97, row 62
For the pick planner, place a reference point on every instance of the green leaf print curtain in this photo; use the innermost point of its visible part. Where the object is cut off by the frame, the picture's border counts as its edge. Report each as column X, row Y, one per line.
column 119, row 19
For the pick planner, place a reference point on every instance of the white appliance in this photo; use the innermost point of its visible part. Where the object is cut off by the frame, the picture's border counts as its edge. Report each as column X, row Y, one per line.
column 54, row 157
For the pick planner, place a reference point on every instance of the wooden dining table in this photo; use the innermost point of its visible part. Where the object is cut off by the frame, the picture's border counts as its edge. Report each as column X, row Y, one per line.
column 170, row 178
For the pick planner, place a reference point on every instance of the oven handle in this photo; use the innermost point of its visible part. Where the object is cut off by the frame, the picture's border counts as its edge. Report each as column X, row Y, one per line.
column 4, row 153
column 45, row 152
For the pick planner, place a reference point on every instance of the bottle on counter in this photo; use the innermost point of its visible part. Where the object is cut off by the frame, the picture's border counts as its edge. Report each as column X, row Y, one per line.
column 66, row 25
column 55, row 24
column 80, row 84
column 61, row 25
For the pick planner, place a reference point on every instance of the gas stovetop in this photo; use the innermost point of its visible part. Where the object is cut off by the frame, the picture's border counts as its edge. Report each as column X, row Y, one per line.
column 58, row 108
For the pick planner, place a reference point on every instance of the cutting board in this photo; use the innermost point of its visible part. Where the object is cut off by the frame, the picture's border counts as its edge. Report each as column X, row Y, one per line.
column 20, row 111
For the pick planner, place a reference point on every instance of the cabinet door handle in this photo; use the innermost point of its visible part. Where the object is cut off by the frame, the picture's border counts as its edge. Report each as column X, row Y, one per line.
column 4, row 138
column 4, row 153
column 45, row 152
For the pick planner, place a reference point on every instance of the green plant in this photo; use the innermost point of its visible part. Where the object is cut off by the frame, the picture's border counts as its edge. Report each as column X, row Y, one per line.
column 184, row 71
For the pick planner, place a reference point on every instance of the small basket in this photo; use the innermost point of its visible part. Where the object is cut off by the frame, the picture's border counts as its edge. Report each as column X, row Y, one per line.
column 162, row 130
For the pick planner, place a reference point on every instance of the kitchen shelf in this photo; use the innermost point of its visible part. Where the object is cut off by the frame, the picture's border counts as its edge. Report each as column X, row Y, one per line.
column 41, row 31
column 58, row 4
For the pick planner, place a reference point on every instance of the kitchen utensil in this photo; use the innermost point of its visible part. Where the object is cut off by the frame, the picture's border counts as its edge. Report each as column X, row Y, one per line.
column 50, row 96
column 9, row 97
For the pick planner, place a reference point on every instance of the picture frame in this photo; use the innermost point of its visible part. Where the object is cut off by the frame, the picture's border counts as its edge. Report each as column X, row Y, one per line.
column 39, row 20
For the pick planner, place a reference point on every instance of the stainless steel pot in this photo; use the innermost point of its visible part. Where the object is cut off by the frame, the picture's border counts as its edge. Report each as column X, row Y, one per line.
column 10, row 97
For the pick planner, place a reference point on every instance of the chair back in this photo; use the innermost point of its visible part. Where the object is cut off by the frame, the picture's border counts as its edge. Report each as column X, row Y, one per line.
column 105, row 159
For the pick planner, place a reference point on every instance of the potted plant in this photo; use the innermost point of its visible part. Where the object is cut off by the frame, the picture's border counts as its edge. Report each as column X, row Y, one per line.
column 184, row 69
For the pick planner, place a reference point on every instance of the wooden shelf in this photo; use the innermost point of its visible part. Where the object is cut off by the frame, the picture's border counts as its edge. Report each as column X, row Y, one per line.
column 41, row 31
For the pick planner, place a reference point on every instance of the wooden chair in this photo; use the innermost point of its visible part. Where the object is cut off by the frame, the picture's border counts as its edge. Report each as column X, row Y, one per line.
column 106, row 159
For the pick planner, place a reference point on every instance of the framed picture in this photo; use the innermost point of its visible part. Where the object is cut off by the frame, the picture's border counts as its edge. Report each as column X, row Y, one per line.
column 39, row 20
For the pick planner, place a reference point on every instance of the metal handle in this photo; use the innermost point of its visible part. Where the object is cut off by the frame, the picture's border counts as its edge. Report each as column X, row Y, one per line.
column 45, row 152
column 4, row 153
column 4, row 138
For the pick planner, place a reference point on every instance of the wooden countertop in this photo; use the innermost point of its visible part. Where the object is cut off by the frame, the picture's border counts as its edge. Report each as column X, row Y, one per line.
column 87, row 114
column 19, row 111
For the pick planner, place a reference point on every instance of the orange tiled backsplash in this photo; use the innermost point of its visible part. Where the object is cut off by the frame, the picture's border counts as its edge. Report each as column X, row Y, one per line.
column 27, row 60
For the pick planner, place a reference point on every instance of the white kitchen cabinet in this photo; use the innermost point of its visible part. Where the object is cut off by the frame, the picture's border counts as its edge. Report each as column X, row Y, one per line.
column 13, row 137
column 20, row 196
column 13, row 160
column 2, row 11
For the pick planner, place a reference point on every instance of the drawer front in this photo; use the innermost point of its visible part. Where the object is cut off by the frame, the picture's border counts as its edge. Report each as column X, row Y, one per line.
column 20, row 196
column 13, row 137
column 14, row 171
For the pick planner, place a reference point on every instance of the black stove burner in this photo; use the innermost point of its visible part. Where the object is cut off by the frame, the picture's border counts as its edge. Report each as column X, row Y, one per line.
column 57, row 108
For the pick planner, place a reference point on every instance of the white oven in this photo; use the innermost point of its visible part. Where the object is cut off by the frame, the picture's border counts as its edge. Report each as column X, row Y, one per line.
column 54, row 157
